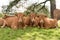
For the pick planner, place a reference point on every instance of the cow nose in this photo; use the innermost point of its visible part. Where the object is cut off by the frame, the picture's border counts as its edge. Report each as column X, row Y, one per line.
column 41, row 21
column 20, row 20
column 32, row 19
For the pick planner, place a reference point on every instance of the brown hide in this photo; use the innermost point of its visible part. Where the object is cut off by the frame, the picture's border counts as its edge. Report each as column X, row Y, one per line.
column 32, row 16
column 11, row 21
column 41, row 18
column 36, row 21
column 50, row 23
column 26, row 21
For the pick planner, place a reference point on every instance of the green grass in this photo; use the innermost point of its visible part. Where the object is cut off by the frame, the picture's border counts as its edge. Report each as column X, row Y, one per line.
column 29, row 34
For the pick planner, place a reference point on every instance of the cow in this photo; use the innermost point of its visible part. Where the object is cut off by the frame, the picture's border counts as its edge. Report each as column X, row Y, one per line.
column 26, row 21
column 11, row 21
column 20, row 16
column 41, row 21
column 20, row 19
column 32, row 16
column 36, row 21
column 50, row 23
column 56, row 14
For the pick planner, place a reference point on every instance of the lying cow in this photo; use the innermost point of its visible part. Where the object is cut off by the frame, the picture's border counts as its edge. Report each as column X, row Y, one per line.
column 26, row 21
column 20, row 19
column 36, row 21
column 48, row 22
column 32, row 16
column 20, row 16
column 11, row 21
column 41, row 22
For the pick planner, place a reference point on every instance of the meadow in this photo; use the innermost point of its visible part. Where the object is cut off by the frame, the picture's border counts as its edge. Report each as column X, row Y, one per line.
column 30, row 33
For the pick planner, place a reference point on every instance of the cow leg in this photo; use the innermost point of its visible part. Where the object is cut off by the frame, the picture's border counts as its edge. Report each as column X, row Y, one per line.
column 42, row 26
column 14, row 26
column 25, row 26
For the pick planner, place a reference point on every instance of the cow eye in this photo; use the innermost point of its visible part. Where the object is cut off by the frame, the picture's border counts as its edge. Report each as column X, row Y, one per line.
column 37, row 16
column 16, row 14
column 45, row 16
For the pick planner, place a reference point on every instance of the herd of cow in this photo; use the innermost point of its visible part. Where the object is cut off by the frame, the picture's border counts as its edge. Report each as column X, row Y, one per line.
column 20, row 20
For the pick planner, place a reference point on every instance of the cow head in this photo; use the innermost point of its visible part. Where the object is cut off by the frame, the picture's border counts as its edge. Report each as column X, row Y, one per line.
column 32, row 17
column 42, row 17
column 20, row 17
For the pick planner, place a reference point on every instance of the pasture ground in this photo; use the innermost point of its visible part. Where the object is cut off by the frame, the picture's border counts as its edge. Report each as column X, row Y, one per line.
column 29, row 34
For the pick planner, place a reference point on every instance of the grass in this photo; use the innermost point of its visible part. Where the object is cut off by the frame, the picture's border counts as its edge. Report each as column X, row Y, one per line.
column 29, row 34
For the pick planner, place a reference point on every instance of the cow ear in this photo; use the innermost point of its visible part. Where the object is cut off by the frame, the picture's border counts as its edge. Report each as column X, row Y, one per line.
column 37, row 15
column 15, row 14
column 23, row 14
column 45, row 15
column 5, row 16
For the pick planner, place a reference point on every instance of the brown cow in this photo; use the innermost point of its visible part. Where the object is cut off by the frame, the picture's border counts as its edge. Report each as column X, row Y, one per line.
column 41, row 16
column 26, row 21
column 47, row 22
column 20, row 16
column 20, row 19
column 36, row 21
column 32, row 16
column 11, row 21
column 57, row 14
column 50, row 23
